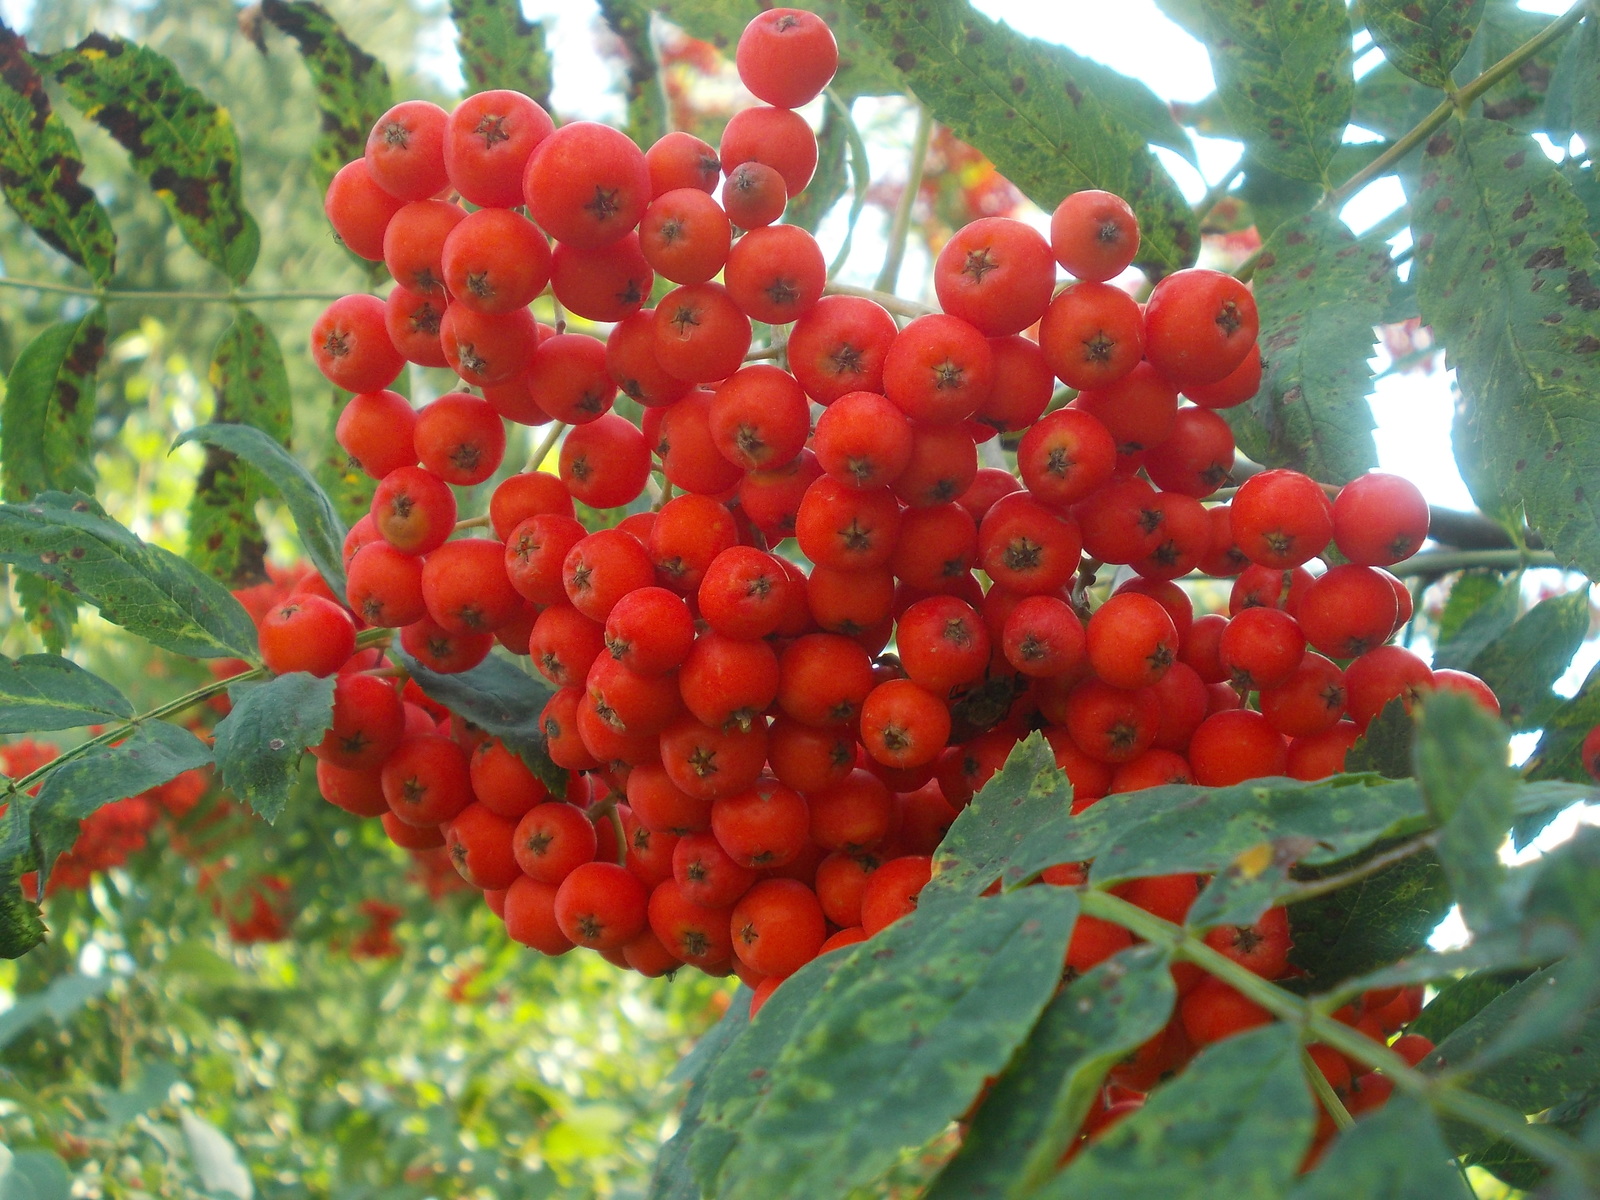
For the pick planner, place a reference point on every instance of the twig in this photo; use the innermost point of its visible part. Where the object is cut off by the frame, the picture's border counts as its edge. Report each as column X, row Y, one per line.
column 900, row 227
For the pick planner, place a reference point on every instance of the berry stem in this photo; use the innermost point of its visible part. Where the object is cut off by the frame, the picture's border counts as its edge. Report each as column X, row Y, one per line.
column 1441, row 562
column 1452, row 105
column 1442, row 1092
column 1217, row 191
column 542, row 450
column 472, row 523
column 1324, row 1091
column 901, row 308
column 900, row 226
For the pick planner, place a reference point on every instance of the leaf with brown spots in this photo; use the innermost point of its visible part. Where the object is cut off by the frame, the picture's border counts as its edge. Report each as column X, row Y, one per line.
column 1519, row 98
column 352, row 87
column 48, row 419
column 1423, row 38
column 1284, row 73
column 183, row 145
column 68, row 540
column 500, row 48
column 1318, row 289
column 1505, row 272
column 1050, row 121
column 41, row 169
column 252, row 389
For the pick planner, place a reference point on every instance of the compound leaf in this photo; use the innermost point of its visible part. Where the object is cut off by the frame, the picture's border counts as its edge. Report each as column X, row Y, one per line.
column 1316, row 287
column 910, row 1026
column 1506, row 274
column 1049, row 123
column 41, row 168
column 182, row 144
column 69, row 540
column 259, row 742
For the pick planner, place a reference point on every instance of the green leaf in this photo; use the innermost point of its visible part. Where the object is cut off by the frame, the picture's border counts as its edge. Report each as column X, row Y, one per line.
column 1471, row 593
column 69, row 540
column 1423, row 38
column 1462, row 759
column 1572, row 105
column 352, row 87
column 252, row 389
column 259, row 743
column 1284, row 74
column 500, row 700
column 1371, row 923
column 1008, row 830
column 1558, row 754
column 20, row 927
column 1524, row 663
column 736, row 1082
column 1396, row 1153
column 152, row 1089
column 864, row 66
column 1386, row 745
column 1239, row 1118
column 1513, row 951
column 149, row 756
column 41, row 168
column 1514, row 1052
column 49, row 409
column 1169, row 829
column 48, row 418
column 35, row 1174
column 1317, row 288
column 1458, row 1001
column 215, row 1157
column 1037, row 112
column 44, row 691
column 1034, row 1111
column 321, row 531
column 647, row 117
column 501, row 49
column 1505, row 272
column 182, row 144
column 62, row 1000
column 672, row 1177
column 829, row 183
column 909, row 1028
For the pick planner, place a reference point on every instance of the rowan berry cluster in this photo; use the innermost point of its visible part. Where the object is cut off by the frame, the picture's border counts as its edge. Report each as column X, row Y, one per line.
column 756, row 779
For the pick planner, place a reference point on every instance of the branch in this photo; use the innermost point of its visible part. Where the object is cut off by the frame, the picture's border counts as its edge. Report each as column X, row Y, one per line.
column 1460, row 102
column 903, row 308
column 901, row 224
column 113, row 295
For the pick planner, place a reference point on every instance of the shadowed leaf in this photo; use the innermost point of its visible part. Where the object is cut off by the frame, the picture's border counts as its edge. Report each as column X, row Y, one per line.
column 259, row 743
column 44, row 691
